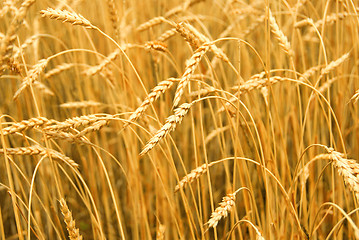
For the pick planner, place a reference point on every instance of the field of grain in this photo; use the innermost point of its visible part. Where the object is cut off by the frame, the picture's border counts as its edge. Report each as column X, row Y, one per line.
column 194, row 119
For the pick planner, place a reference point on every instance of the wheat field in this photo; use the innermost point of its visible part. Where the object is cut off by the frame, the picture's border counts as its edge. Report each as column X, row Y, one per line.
column 194, row 119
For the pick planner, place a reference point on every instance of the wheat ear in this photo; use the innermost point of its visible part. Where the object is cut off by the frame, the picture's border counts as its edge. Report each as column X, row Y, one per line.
column 282, row 39
column 31, row 77
column 355, row 97
column 222, row 211
column 347, row 168
column 66, row 16
column 190, row 68
column 160, row 89
column 74, row 233
column 25, row 124
column 39, row 150
column 170, row 125
column 82, row 104
column 193, row 175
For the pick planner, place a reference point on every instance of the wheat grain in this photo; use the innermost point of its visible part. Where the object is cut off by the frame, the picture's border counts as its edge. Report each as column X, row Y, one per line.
column 74, row 233
column 170, row 125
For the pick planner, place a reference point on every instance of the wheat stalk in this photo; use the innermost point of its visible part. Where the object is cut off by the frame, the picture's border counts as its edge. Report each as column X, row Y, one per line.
column 74, row 233
column 170, row 125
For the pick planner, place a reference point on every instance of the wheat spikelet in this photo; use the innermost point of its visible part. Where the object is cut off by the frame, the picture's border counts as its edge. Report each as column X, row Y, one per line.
column 82, row 104
column 193, row 175
column 74, row 233
column 355, row 97
column 347, row 168
column 156, row 92
column 222, row 211
column 96, row 69
column 66, row 16
column 156, row 45
column 190, row 68
column 59, row 69
column 334, row 64
column 39, row 150
column 25, row 124
column 31, row 77
column 282, row 39
column 170, row 125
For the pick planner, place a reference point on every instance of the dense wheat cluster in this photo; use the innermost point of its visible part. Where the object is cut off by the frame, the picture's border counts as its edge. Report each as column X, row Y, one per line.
column 194, row 119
